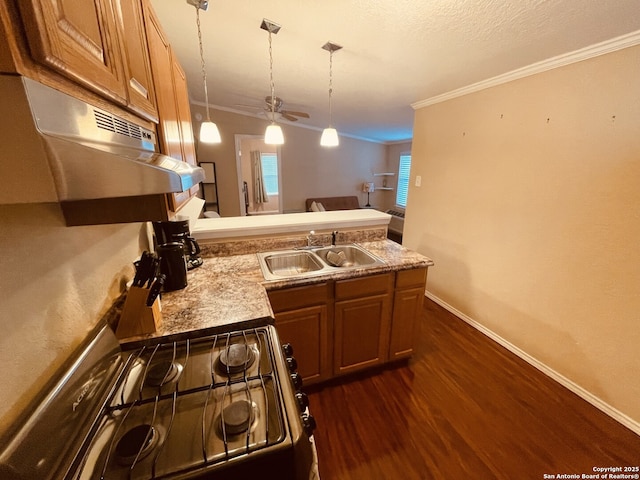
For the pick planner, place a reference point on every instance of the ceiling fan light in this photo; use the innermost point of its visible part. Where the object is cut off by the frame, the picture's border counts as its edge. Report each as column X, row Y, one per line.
column 209, row 133
column 329, row 138
column 273, row 135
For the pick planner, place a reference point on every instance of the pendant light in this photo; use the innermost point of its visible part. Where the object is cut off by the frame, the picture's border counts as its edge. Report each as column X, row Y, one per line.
column 273, row 135
column 209, row 132
column 329, row 136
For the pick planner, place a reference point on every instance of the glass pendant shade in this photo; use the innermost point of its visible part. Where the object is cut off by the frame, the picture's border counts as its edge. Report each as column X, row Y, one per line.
column 329, row 137
column 273, row 135
column 209, row 132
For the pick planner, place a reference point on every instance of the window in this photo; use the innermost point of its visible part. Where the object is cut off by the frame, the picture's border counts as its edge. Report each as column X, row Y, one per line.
column 403, row 179
column 270, row 172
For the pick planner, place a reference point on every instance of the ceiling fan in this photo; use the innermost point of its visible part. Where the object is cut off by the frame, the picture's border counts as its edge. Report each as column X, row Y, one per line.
column 275, row 106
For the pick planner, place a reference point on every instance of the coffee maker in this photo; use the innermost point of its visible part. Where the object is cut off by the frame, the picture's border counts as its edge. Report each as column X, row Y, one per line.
column 178, row 231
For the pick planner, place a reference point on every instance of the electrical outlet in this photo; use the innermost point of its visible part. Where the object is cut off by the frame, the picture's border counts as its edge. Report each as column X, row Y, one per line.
column 418, row 180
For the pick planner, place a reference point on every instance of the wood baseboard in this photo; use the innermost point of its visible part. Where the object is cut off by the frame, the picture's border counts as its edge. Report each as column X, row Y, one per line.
column 597, row 402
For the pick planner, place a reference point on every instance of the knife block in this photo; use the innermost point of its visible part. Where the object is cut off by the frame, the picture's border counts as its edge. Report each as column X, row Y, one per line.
column 137, row 318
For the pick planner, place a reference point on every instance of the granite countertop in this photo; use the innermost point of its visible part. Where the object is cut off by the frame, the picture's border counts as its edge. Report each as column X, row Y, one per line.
column 230, row 293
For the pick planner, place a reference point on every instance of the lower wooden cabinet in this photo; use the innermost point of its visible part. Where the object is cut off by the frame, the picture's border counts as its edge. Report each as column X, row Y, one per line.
column 407, row 305
column 341, row 327
column 304, row 319
column 362, row 321
column 306, row 329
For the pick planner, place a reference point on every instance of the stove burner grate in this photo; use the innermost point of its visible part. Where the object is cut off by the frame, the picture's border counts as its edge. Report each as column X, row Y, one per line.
column 137, row 443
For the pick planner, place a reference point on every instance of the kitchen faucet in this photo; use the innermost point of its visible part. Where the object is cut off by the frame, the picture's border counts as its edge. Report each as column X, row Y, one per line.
column 334, row 234
column 311, row 240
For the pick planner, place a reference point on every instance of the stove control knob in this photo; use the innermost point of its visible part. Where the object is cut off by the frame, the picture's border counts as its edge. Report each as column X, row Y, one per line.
column 297, row 380
column 287, row 349
column 308, row 423
column 303, row 400
column 292, row 364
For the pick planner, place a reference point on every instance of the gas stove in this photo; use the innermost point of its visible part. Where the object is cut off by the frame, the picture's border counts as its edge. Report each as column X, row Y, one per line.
column 220, row 406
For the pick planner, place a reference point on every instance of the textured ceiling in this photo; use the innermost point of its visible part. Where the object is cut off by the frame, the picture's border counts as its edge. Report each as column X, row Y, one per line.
column 395, row 52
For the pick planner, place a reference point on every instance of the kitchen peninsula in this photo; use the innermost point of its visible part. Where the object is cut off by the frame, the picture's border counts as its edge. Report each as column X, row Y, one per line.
column 224, row 228
column 229, row 289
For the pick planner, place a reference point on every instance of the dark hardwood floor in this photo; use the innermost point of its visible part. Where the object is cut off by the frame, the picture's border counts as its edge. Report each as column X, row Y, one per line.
column 462, row 408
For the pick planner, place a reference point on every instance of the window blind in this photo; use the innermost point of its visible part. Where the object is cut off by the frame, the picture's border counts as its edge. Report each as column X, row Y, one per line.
column 270, row 172
column 403, row 180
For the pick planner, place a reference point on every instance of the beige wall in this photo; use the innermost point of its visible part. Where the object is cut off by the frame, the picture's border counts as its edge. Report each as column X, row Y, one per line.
column 394, row 151
column 530, row 208
column 56, row 283
column 308, row 170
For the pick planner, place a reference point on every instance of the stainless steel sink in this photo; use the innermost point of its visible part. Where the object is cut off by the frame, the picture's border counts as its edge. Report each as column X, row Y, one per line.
column 316, row 261
column 347, row 256
column 291, row 263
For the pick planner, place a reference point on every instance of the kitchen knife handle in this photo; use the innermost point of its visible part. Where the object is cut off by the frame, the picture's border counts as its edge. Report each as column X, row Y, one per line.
column 154, row 291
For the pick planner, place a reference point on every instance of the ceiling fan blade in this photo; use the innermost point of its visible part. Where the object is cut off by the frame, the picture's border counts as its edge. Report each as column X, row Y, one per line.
column 297, row 114
column 288, row 117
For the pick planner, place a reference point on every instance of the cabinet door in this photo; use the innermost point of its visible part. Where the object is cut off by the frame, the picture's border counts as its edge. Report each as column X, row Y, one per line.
column 304, row 318
column 407, row 306
column 361, row 333
column 187, row 141
column 77, row 38
column 137, row 65
column 306, row 330
column 162, row 68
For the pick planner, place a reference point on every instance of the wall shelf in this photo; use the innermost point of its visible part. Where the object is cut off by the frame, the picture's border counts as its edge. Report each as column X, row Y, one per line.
column 384, row 182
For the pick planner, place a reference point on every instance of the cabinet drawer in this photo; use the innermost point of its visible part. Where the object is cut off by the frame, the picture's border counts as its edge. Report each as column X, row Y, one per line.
column 411, row 278
column 298, row 297
column 365, row 286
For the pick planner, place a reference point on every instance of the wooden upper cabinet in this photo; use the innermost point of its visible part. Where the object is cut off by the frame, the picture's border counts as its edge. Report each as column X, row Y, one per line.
column 99, row 44
column 175, row 130
column 77, row 38
column 162, row 68
column 137, row 65
column 186, row 130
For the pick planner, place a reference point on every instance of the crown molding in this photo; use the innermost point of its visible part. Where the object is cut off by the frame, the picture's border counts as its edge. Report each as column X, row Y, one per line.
column 609, row 46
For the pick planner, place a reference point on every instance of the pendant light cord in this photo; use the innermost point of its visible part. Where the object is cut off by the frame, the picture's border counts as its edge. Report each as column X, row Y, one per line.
column 204, row 71
column 330, row 85
column 273, row 86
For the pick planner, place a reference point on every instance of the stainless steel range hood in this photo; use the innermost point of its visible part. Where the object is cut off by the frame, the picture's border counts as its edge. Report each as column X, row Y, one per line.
column 93, row 154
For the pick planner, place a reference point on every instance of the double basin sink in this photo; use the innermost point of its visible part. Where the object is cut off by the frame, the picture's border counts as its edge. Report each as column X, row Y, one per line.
column 315, row 261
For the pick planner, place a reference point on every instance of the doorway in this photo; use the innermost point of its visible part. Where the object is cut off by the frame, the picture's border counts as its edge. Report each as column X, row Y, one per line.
column 259, row 175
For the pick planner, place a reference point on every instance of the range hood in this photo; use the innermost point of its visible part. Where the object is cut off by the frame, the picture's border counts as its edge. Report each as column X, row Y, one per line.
column 91, row 153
